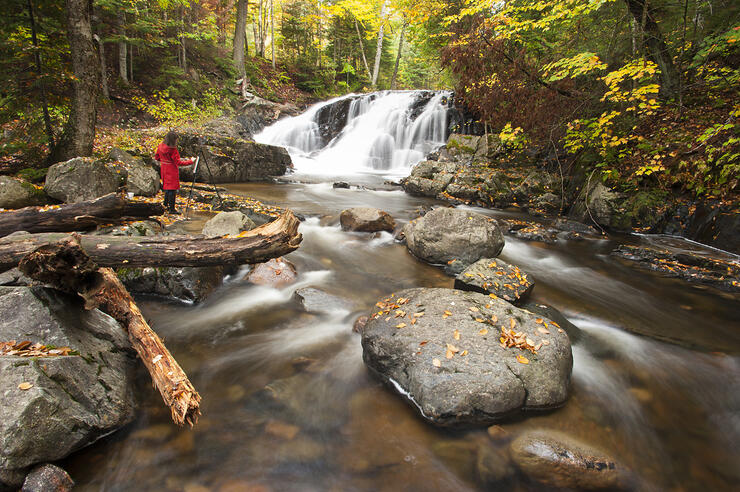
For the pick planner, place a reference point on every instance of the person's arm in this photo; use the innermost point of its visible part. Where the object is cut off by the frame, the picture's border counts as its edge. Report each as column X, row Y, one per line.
column 176, row 159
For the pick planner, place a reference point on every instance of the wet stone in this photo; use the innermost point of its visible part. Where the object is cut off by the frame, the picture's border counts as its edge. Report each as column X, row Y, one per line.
column 366, row 219
column 47, row 478
column 442, row 349
column 276, row 273
column 492, row 276
column 557, row 460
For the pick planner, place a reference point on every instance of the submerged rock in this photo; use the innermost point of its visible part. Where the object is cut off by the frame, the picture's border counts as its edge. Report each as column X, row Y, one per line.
column 441, row 348
column 557, row 460
column 447, row 234
column 492, row 276
column 317, row 301
column 53, row 406
column 277, row 272
column 366, row 219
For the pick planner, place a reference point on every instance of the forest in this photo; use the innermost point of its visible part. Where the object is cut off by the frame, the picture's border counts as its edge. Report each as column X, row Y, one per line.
column 644, row 93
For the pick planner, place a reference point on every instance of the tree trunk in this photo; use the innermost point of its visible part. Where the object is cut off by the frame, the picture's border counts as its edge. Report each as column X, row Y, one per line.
column 77, row 216
column 65, row 266
column 362, row 48
column 271, row 240
column 398, row 56
column 379, row 50
column 240, row 35
column 272, row 33
column 655, row 46
column 103, row 75
column 79, row 131
column 122, row 48
column 40, row 75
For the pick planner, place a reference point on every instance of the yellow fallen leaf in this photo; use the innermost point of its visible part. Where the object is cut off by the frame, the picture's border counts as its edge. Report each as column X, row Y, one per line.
column 494, row 318
column 512, row 323
column 449, row 354
column 436, row 363
column 484, row 331
column 418, row 315
column 474, row 309
column 25, row 386
column 479, row 320
column 456, row 335
column 521, row 359
column 463, row 353
column 452, row 348
column 448, row 313
column 401, row 325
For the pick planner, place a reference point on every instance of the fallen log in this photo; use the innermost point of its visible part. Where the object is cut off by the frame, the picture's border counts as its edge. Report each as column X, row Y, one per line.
column 76, row 216
column 271, row 240
column 65, row 266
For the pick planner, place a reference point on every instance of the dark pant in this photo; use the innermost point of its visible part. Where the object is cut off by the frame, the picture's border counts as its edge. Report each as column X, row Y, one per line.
column 169, row 200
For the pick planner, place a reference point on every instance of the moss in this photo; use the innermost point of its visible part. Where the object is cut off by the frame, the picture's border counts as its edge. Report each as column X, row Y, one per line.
column 32, row 175
column 454, row 144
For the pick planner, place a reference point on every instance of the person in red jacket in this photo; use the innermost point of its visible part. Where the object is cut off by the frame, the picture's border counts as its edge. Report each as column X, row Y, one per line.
column 169, row 160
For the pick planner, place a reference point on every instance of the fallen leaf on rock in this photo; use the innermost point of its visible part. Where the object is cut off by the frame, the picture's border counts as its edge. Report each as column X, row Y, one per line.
column 542, row 330
column 456, row 335
column 423, row 343
column 539, row 321
column 521, row 359
column 474, row 309
column 512, row 323
column 483, row 331
column 480, row 320
column 401, row 325
column 418, row 315
column 560, row 330
column 436, row 363
column 463, row 353
column 25, row 386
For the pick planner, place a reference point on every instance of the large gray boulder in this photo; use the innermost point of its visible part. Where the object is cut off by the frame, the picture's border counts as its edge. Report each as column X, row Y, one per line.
column 447, row 234
column 257, row 113
column 141, row 179
column 231, row 160
column 558, row 460
column 80, row 179
column 366, row 219
column 599, row 204
column 16, row 193
column 231, row 223
column 72, row 400
column 441, row 349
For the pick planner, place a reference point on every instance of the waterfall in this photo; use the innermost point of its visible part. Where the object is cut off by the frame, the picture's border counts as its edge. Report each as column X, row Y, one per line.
column 385, row 132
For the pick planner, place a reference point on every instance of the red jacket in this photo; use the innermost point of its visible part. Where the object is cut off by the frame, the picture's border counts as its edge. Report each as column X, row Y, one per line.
column 169, row 159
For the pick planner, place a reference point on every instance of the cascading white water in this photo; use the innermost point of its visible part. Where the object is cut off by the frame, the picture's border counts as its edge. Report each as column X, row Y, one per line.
column 380, row 134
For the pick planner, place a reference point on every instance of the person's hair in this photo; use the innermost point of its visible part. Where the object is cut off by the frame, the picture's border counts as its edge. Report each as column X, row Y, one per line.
column 170, row 139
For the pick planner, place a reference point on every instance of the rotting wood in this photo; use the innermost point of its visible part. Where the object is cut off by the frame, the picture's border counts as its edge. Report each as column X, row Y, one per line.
column 65, row 266
column 76, row 216
column 271, row 240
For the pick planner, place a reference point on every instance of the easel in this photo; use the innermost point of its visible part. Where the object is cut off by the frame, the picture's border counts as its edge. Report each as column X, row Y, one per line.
column 210, row 177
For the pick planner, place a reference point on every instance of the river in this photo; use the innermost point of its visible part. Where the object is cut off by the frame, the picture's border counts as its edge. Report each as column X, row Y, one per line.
column 289, row 405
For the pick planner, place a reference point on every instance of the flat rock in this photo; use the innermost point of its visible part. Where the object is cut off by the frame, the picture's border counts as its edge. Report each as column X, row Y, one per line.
column 80, row 179
column 191, row 284
column 228, row 223
column 277, row 272
column 492, row 276
column 72, row 400
column 16, row 193
column 558, row 460
column 366, row 219
column 449, row 361
column 447, row 234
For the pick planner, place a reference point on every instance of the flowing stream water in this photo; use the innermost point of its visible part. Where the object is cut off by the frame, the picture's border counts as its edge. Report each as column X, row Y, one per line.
column 289, row 405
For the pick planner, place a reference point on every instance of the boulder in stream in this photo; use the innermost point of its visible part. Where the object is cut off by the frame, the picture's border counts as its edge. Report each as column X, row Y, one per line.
column 558, row 460
column 55, row 405
column 493, row 276
column 448, row 234
column 366, row 219
column 442, row 349
column 48, row 478
column 276, row 273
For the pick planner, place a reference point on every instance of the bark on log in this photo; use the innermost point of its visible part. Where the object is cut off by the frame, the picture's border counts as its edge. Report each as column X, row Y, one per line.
column 65, row 266
column 76, row 216
column 274, row 239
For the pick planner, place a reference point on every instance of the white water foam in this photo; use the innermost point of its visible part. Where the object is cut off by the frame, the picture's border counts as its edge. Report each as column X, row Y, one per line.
column 379, row 136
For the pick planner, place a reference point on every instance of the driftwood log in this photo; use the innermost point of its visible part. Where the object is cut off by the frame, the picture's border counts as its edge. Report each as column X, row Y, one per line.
column 76, row 216
column 271, row 240
column 65, row 266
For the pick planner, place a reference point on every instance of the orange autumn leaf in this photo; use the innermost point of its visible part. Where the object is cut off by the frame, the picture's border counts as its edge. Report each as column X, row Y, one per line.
column 521, row 359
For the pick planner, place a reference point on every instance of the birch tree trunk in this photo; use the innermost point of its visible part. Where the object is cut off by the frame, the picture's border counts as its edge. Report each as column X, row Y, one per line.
column 240, row 35
column 398, row 56
column 379, row 50
column 122, row 48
